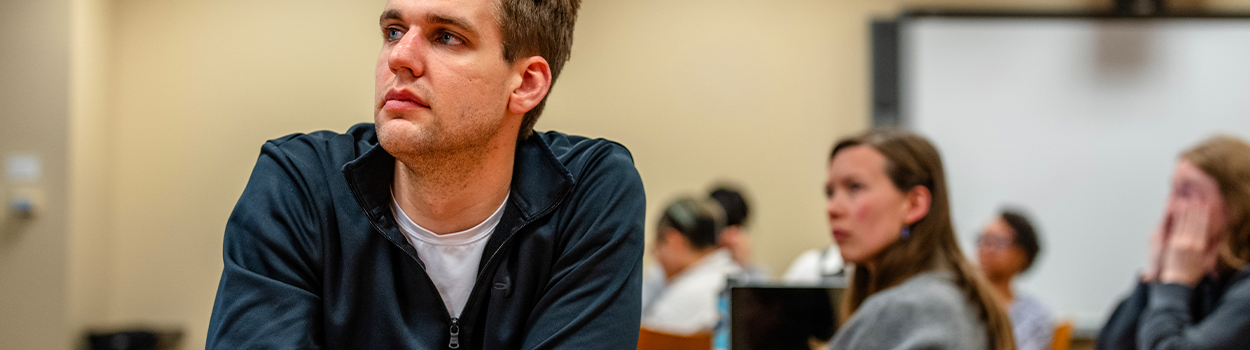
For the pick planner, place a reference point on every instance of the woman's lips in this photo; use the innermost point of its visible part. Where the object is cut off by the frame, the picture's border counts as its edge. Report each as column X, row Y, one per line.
column 840, row 235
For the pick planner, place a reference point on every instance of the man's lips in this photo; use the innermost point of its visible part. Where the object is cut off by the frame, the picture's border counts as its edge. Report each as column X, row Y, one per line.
column 402, row 100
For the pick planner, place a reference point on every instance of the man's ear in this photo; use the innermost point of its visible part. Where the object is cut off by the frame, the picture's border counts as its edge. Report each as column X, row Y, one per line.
column 534, row 82
column 918, row 201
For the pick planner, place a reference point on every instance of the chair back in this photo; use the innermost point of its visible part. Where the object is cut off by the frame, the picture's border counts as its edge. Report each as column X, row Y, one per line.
column 1063, row 336
column 654, row 340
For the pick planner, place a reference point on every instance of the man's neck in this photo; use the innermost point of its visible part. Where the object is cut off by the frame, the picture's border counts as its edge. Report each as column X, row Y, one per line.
column 453, row 193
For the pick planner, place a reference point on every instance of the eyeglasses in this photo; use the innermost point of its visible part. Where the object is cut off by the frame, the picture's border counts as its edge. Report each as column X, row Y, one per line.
column 993, row 242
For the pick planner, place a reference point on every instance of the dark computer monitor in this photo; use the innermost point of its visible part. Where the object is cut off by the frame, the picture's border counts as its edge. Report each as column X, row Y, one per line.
column 782, row 317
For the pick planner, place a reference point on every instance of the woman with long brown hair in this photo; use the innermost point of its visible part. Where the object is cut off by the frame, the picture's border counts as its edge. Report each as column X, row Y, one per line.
column 911, row 287
column 1195, row 292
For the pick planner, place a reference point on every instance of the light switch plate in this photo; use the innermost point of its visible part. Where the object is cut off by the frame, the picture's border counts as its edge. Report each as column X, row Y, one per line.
column 22, row 167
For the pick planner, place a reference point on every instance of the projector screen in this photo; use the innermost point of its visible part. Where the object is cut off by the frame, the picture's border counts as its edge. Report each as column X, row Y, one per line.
column 1077, row 120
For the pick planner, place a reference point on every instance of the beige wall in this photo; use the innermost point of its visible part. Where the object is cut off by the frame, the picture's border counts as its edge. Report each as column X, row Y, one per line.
column 169, row 102
column 33, row 119
column 89, row 244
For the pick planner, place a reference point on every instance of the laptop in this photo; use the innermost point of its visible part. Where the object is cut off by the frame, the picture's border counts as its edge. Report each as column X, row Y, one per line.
column 778, row 316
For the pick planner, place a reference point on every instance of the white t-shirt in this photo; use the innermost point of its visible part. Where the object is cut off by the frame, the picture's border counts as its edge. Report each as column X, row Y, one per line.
column 450, row 260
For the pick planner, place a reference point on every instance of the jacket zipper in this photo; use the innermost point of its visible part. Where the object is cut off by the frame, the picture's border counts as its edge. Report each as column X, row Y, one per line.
column 455, row 321
column 454, row 343
column 454, row 329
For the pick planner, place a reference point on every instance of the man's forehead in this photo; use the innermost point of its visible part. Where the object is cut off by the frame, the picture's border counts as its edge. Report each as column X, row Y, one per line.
column 414, row 9
column 474, row 16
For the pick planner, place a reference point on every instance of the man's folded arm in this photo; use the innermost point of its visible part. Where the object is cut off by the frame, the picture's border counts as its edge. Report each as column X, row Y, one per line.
column 593, row 300
column 269, row 293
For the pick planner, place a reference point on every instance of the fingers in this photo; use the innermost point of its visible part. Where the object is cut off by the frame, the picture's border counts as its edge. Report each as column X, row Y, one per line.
column 1158, row 243
column 1201, row 218
column 1191, row 221
column 1188, row 230
column 1166, row 227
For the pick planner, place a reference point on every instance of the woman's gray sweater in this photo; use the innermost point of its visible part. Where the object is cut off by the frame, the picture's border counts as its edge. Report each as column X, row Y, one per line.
column 927, row 311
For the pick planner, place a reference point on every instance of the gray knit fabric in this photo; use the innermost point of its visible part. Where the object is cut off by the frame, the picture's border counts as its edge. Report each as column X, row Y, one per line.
column 925, row 312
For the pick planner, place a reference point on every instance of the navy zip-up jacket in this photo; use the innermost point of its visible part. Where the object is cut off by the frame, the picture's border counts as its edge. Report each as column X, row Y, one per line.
column 314, row 258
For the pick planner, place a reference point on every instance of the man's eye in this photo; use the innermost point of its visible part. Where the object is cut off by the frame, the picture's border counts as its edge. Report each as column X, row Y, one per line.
column 393, row 34
column 446, row 38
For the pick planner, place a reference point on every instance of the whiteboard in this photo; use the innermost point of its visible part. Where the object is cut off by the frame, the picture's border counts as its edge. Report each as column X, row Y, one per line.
column 1077, row 120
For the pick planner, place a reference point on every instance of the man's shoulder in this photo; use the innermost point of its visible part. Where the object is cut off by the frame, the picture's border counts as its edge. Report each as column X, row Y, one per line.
column 579, row 154
column 567, row 146
column 324, row 145
column 360, row 134
column 595, row 177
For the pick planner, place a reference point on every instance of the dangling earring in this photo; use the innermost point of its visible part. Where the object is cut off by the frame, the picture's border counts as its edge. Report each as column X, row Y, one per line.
column 906, row 232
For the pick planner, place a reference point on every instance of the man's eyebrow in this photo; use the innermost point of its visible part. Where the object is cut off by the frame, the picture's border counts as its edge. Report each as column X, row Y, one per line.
column 389, row 15
column 452, row 21
column 396, row 15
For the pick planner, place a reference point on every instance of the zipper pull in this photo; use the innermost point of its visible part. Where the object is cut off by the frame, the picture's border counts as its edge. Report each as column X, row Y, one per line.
column 455, row 333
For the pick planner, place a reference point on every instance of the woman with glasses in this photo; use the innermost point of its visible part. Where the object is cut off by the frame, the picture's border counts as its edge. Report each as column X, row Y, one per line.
column 1195, row 291
column 1007, row 247
column 911, row 287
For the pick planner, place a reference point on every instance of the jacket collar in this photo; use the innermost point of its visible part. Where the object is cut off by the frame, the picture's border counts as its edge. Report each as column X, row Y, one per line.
column 539, row 183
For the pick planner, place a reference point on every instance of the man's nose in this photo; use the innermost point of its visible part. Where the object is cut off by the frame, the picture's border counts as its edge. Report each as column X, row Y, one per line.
column 406, row 58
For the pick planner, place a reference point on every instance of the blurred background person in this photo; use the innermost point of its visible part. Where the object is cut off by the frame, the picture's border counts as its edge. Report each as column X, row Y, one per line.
column 733, row 237
column 822, row 266
column 1006, row 248
column 1194, row 293
column 911, row 286
column 694, row 268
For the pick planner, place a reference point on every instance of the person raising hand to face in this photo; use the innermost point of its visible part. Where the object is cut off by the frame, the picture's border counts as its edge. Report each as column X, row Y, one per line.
column 1194, row 292
column 1187, row 241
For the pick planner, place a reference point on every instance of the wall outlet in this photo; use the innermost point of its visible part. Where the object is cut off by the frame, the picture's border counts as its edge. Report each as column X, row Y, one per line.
column 23, row 202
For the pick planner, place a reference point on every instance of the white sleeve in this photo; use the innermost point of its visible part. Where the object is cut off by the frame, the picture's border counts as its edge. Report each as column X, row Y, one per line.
column 805, row 268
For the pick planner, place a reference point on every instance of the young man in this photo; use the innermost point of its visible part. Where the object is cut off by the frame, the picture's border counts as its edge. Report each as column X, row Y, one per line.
column 448, row 223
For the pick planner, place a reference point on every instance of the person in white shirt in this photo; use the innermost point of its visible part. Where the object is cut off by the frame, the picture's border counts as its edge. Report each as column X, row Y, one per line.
column 732, row 238
column 822, row 266
column 694, row 269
